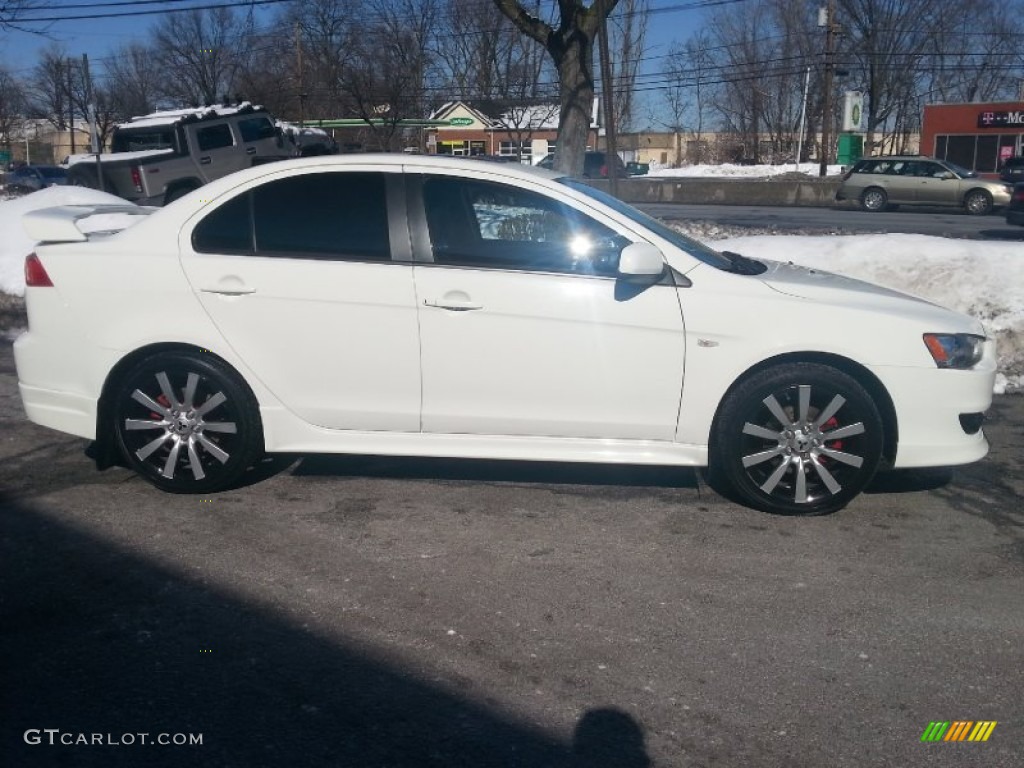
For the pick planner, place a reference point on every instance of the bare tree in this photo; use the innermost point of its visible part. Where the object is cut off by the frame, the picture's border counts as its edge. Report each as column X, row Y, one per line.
column 627, row 32
column 12, row 106
column 48, row 96
column 973, row 67
column 12, row 14
column 571, row 47
column 384, row 75
column 133, row 78
column 886, row 43
column 200, row 53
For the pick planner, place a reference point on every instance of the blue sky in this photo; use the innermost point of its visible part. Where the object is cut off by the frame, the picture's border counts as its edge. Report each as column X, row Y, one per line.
column 19, row 50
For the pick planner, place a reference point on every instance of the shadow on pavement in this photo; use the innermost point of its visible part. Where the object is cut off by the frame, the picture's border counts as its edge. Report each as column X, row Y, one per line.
column 96, row 640
column 497, row 471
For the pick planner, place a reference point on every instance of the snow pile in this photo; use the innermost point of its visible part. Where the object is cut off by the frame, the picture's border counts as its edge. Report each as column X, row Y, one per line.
column 981, row 279
column 731, row 170
column 15, row 244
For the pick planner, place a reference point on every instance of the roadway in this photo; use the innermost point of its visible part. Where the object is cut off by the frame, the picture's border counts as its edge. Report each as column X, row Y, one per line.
column 844, row 220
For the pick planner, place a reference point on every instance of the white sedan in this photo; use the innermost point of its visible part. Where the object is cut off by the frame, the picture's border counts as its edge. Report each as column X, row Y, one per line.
column 422, row 306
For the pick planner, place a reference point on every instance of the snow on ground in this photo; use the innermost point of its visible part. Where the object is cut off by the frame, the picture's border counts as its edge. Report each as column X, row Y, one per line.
column 983, row 279
column 731, row 170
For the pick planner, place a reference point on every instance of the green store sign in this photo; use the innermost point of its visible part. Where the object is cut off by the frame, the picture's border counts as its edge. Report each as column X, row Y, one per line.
column 461, row 121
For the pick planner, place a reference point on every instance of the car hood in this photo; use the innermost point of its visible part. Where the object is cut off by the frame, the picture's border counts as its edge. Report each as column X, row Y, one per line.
column 827, row 287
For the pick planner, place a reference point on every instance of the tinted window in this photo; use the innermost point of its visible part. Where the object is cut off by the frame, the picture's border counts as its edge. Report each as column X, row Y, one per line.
column 227, row 230
column 137, row 141
column 53, row 173
column 214, row 137
column 323, row 215
column 476, row 223
column 256, row 128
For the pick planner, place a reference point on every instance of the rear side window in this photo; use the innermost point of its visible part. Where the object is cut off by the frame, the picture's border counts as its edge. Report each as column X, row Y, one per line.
column 256, row 128
column 331, row 216
column 214, row 137
column 227, row 230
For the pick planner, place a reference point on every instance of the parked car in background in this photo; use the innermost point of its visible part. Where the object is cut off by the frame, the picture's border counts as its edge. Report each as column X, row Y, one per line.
column 595, row 165
column 883, row 183
column 160, row 157
column 1012, row 170
column 414, row 305
column 30, row 178
column 1015, row 210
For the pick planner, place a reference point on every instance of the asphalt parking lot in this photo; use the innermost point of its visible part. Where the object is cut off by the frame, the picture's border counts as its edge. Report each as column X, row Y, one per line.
column 348, row 611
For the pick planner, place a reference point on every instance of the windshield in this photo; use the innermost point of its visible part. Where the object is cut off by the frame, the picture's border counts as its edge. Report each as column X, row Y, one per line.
column 53, row 173
column 689, row 245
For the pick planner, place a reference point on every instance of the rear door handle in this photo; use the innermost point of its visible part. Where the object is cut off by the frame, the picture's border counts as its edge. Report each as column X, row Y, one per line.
column 453, row 305
column 250, row 150
column 205, row 161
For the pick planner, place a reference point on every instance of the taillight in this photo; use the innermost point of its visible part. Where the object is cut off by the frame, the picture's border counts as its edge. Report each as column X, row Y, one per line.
column 35, row 273
column 136, row 178
column 604, row 171
column 1018, row 194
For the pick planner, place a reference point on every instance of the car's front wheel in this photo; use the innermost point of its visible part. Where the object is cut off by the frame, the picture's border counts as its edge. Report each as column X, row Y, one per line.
column 978, row 202
column 186, row 422
column 796, row 439
column 874, row 199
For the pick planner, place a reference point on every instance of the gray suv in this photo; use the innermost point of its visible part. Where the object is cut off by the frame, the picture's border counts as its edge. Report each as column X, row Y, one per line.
column 881, row 183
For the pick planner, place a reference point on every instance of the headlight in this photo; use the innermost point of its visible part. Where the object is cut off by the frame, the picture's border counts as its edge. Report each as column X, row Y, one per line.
column 955, row 350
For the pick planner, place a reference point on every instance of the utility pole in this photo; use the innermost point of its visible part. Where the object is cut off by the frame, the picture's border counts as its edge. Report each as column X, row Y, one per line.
column 94, row 138
column 826, row 18
column 298, row 53
column 609, row 111
column 803, row 119
column 71, row 108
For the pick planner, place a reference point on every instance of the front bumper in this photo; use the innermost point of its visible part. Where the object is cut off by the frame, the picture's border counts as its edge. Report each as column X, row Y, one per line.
column 938, row 410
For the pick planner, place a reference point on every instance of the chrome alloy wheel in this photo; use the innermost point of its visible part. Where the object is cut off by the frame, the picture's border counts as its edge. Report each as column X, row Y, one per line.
column 804, row 445
column 183, row 426
column 187, row 422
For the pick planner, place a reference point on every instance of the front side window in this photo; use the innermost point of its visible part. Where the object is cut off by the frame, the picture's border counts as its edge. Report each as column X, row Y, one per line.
column 330, row 216
column 483, row 224
column 214, row 137
column 256, row 128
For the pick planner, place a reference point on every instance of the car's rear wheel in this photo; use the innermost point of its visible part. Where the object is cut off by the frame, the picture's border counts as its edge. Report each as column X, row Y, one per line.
column 186, row 422
column 978, row 202
column 874, row 199
column 796, row 439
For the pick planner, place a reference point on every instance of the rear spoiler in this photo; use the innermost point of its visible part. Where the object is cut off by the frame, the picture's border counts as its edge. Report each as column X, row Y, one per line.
column 60, row 224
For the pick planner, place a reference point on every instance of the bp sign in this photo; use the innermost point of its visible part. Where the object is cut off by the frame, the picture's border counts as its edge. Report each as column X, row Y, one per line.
column 461, row 121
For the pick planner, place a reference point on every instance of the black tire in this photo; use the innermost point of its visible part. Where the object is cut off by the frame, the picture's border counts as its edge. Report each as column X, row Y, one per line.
column 978, row 202
column 874, row 199
column 186, row 422
column 769, row 433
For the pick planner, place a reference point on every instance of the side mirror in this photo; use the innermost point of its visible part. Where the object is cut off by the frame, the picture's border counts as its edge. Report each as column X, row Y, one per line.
column 641, row 260
column 947, row 175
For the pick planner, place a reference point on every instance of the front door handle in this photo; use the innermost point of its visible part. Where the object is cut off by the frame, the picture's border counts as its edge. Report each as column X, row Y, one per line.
column 250, row 150
column 205, row 161
column 452, row 305
column 229, row 290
